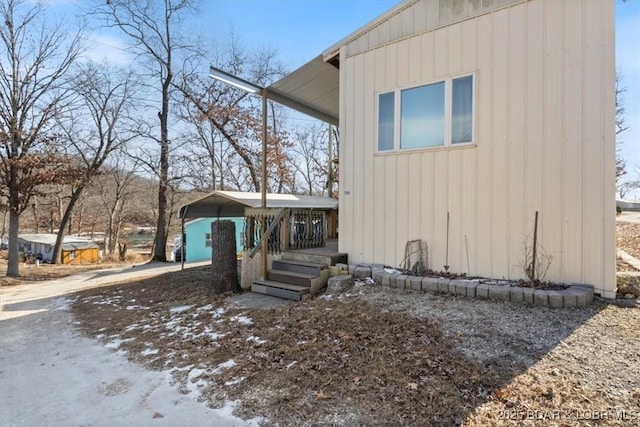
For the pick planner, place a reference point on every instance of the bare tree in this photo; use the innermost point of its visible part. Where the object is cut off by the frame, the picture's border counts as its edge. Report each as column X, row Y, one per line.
column 34, row 87
column 312, row 158
column 95, row 129
column 116, row 191
column 621, row 126
column 149, row 25
column 234, row 117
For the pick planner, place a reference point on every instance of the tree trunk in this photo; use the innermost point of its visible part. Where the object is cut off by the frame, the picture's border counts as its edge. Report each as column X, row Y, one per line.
column 64, row 222
column 13, row 269
column 224, row 262
column 122, row 251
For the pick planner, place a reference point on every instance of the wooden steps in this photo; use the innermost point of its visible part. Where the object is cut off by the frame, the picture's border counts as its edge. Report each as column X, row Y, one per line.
column 279, row 289
column 296, row 274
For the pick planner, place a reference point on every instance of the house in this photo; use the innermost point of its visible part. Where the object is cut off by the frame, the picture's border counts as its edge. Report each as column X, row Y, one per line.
column 198, row 238
column 459, row 120
column 75, row 250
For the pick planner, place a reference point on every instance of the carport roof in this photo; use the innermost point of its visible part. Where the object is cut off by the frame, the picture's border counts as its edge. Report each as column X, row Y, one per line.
column 233, row 203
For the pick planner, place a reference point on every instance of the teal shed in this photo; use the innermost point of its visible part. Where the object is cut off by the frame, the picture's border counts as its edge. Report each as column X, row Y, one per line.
column 198, row 237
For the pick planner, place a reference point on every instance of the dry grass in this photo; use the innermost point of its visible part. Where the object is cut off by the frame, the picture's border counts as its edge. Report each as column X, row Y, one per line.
column 628, row 238
column 376, row 356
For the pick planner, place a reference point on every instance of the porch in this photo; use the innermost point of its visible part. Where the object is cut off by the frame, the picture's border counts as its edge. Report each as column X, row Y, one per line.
column 298, row 234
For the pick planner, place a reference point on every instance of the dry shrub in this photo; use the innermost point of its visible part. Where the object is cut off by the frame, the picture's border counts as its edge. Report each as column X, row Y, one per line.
column 131, row 258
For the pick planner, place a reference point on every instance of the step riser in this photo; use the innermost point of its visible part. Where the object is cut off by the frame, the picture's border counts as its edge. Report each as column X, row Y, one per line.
column 320, row 259
column 304, row 269
column 282, row 276
column 276, row 292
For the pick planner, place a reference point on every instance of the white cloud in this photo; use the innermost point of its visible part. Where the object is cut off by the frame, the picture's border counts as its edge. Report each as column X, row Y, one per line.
column 107, row 49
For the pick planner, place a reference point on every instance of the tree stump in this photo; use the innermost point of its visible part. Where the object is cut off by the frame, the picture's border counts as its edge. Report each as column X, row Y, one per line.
column 224, row 263
column 122, row 251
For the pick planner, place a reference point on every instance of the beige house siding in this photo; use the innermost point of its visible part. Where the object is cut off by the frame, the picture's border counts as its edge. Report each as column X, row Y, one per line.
column 544, row 133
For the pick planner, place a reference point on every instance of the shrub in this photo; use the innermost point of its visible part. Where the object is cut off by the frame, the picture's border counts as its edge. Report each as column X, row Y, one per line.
column 618, row 210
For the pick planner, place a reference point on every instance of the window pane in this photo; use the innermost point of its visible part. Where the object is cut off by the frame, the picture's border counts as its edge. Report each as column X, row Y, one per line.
column 385, row 121
column 422, row 116
column 462, row 110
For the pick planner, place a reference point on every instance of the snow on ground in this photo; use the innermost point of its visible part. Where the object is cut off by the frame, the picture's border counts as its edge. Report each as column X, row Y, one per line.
column 243, row 320
column 51, row 375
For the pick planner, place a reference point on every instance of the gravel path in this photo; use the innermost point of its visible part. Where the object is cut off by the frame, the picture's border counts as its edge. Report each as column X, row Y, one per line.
column 52, row 375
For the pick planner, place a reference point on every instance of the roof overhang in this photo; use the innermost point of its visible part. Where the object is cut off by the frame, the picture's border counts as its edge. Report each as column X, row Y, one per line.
column 233, row 203
column 312, row 89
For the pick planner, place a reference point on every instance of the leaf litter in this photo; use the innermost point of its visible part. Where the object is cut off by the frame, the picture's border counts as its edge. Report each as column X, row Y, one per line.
column 376, row 356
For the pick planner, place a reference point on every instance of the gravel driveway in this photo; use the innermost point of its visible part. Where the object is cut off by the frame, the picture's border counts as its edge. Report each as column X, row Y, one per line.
column 51, row 375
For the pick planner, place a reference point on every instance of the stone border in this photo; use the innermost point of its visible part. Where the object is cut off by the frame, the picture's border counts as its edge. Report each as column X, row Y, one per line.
column 575, row 296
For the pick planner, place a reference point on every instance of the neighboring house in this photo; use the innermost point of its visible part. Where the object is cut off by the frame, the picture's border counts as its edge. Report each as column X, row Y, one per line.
column 75, row 250
column 198, row 238
column 459, row 119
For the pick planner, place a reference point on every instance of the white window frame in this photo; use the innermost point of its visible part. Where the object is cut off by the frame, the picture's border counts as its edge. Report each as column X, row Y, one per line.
column 448, row 93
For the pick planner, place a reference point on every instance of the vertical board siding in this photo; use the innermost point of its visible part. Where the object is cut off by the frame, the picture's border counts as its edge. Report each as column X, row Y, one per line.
column 517, row 128
column 484, row 91
column 368, row 201
column 544, row 110
column 358, row 187
column 551, row 211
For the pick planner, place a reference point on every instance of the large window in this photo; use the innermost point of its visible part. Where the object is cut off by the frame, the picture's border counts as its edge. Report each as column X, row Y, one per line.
column 433, row 115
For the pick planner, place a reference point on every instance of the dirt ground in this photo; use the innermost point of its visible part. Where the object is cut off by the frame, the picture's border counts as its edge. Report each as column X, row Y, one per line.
column 376, row 356
column 628, row 239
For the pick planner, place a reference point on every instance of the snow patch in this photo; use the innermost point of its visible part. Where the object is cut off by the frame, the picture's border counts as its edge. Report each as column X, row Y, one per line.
column 115, row 344
column 219, row 312
column 243, row 320
column 234, row 381
column 180, row 308
column 223, row 366
column 256, row 340
column 149, row 352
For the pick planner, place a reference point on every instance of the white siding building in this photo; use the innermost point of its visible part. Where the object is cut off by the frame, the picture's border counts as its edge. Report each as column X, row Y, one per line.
column 482, row 111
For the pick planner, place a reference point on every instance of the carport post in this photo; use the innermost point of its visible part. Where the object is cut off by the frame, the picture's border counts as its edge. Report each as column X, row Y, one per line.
column 263, row 186
column 240, row 83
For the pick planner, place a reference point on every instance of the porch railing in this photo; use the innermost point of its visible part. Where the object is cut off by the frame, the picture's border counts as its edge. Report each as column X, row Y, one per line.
column 284, row 228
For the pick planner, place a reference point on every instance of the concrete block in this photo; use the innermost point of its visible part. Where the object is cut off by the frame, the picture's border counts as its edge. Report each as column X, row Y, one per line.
column 499, row 292
column 443, row 285
column 352, row 268
column 471, row 289
column 569, row 299
column 386, row 279
column 458, row 287
column 482, row 291
column 587, row 289
column 528, row 293
column 376, row 275
column 414, row 283
column 377, row 266
column 583, row 295
column 401, row 281
column 361, row 271
column 430, row 284
column 342, row 266
column 540, row 298
column 516, row 294
column 555, row 299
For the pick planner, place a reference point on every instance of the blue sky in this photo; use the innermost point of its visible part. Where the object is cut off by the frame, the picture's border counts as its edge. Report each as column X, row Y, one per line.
column 302, row 29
